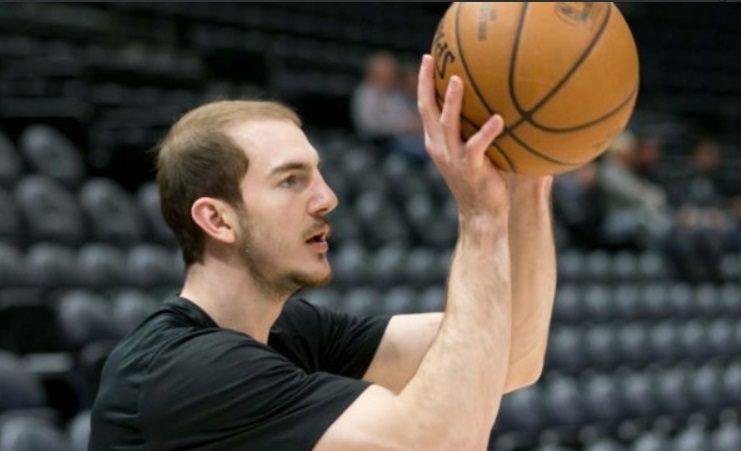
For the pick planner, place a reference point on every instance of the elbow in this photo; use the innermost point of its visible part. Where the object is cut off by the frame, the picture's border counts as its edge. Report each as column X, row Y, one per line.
column 526, row 376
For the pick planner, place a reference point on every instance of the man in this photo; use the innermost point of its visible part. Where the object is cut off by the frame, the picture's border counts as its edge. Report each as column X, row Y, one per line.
column 232, row 364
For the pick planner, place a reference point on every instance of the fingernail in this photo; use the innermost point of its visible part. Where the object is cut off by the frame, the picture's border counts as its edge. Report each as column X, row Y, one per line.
column 425, row 60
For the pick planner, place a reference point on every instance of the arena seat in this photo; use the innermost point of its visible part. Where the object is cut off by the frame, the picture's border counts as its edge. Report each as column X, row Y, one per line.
column 49, row 210
column 130, row 308
column 399, row 299
column 30, row 434
column 85, row 317
column 605, row 444
column 101, row 265
column 51, row 153
column 113, row 214
column 633, row 343
column 639, row 394
column 51, row 265
column 523, row 409
column 707, row 386
column 349, row 264
column 150, row 265
column 567, row 306
column 387, row 263
column 602, row 398
column 691, row 439
column 78, row 431
column 673, row 388
column 563, row 401
column 149, row 202
column 650, row 441
column 601, row 345
column 19, row 388
column 726, row 438
column 362, row 301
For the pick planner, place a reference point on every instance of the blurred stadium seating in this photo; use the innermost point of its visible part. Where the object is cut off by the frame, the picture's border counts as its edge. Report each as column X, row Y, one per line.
column 638, row 359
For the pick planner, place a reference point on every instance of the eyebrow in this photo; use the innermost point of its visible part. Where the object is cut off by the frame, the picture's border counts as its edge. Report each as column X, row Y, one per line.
column 292, row 166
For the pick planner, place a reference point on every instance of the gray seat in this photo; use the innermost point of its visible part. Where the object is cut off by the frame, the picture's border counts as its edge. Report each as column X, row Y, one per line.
column 691, row 439
column 51, row 153
column 399, row 299
column 130, row 308
column 602, row 398
column 633, row 342
column 149, row 201
column 720, row 337
column 112, row 212
column 150, row 265
column 350, row 264
column 650, row 441
column 639, row 394
column 602, row 345
column 625, row 266
column 51, row 265
column 78, row 431
column 732, row 382
column 605, row 444
column 31, row 434
column 664, row 341
column 387, row 263
column 101, row 265
column 598, row 303
column 19, row 388
column 523, row 409
column 419, row 266
column 85, row 317
column 49, row 210
column 362, row 301
column 568, row 306
column 565, row 348
column 571, row 265
column 431, row 299
column 628, row 303
column 727, row 437
column 707, row 386
column 673, row 388
column 563, row 401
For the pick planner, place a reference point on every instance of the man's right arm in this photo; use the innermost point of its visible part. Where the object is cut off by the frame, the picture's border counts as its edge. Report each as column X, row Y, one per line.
column 453, row 399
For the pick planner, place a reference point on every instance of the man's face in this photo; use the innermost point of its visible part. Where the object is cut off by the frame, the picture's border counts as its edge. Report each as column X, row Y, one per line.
column 283, row 231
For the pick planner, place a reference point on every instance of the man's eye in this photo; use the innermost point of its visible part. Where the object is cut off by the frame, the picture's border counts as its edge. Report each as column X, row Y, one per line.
column 289, row 181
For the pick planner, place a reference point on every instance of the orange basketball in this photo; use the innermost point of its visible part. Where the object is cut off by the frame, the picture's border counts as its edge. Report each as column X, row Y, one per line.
column 563, row 75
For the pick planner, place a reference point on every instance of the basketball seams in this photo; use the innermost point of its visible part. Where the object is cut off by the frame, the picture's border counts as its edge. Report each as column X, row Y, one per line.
column 527, row 115
column 470, row 122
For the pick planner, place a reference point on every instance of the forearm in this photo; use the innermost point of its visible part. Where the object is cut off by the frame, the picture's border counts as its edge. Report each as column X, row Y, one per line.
column 460, row 381
column 533, row 257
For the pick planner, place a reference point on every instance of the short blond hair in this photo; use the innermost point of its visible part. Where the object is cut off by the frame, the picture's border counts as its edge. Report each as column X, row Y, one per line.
column 197, row 158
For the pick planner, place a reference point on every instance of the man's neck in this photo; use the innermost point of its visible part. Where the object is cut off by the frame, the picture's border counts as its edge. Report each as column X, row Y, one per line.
column 233, row 299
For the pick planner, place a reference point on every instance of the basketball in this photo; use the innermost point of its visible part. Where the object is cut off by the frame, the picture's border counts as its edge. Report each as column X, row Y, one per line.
column 563, row 76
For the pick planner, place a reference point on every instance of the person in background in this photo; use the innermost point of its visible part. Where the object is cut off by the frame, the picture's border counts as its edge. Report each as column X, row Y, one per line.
column 382, row 111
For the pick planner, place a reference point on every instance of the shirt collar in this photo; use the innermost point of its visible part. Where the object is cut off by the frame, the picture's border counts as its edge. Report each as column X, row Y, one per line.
column 192, row 311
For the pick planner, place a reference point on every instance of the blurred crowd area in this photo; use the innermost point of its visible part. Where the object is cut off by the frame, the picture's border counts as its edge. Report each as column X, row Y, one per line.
column 643, row 353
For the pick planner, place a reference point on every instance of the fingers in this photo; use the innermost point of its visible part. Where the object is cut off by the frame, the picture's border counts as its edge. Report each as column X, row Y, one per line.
column 482, row 139
column 450, row 119
column 426, row 97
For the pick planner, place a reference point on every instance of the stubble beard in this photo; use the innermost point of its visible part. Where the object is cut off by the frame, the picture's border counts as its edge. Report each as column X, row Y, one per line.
column 281, row 284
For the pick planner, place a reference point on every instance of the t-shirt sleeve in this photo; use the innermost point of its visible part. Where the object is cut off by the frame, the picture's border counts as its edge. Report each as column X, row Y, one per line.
column 320, row 339
column 223, row 391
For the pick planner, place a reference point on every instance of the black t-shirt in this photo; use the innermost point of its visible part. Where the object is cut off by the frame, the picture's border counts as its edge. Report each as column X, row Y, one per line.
column 179, row 382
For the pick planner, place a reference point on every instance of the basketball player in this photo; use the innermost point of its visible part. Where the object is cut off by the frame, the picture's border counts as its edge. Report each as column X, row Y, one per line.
column 233, row 364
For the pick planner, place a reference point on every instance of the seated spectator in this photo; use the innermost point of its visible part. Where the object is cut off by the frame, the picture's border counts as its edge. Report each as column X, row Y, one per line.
column 704, row 223
column 637, row 210
column 578, row 203
column 382, row 111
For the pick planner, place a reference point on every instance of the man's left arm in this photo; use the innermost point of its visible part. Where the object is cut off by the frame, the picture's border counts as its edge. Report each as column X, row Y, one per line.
column 533, row 259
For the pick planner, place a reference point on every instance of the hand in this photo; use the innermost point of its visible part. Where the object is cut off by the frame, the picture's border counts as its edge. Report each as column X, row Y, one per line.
column 476, row 184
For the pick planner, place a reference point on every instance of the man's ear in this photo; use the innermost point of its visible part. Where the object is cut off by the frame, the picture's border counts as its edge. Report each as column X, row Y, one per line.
column 216, row 218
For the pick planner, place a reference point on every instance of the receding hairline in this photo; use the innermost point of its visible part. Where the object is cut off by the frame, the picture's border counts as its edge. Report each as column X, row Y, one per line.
column 221, row 115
